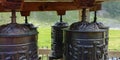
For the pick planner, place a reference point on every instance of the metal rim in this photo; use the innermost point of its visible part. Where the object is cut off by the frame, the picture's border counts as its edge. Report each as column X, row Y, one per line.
column 101, row 30
column 21, row 35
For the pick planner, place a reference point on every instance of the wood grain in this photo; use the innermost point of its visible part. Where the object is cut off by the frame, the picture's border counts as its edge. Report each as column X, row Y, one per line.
column 48, row 0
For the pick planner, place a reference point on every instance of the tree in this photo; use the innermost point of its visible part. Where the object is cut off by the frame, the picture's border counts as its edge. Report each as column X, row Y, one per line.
column 113, row 8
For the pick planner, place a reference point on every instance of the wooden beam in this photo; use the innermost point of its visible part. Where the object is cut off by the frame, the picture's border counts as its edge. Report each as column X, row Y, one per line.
column 48, row 0
column 54, row 6
column 25, row 13
column 112, row 0
column 45, row 6
column 12, row 4
column 61, row 0
column 48, row 6
column 96, row 7
column 61, row 12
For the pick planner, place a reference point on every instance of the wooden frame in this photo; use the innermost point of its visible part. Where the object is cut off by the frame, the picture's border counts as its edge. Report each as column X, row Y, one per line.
column 55, row 6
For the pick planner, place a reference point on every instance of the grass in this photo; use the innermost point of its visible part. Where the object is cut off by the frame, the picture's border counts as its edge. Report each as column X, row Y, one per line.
column 45, row 38
column 114, row 40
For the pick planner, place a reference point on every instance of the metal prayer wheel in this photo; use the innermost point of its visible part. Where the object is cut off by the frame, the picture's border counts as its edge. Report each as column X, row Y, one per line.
column 106, row 40
column 86, row 43
column 101, row 26
column 30, row 26
column 57, row 39
column 81, row 25
column 18, row 42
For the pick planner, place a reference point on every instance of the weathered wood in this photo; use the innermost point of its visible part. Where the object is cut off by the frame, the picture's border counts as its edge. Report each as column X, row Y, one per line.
column 53, row 5
column 61, row 12
column 12, row 4
column 25, row 13
column 112, row 0
column 114, row 54
column 56, row 5
column 63, row 0
column 43, row 6
column 96, row 7
column 44, row 51
column 46, row 6
column 54, row 0
column 49, row 6
column 48, row 0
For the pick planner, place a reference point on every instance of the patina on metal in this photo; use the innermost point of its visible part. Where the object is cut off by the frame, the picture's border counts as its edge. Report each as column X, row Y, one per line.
column 84, row 44
column 82, row 24
column 103, row 27
column 18, row 42
column 57, row 39
column 26, row 20
column 31, row 26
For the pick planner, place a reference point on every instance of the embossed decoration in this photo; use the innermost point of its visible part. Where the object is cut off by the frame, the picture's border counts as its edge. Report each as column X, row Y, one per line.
column 82, row 46
column 20, row 53
column 86, row 43
column 103, row 27
column 82, row 24
column 21, row 46
column 57, row 39
column 18, row 41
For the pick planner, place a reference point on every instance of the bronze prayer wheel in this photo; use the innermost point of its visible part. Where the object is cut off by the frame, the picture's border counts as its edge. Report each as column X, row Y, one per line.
column 18, row 42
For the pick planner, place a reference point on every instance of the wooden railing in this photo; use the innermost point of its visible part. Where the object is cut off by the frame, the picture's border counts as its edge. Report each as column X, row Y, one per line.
column 44, row 53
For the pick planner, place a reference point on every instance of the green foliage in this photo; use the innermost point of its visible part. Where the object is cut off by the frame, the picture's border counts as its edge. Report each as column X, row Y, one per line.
column 113, row 8
column 52, row 17
column 4, row 18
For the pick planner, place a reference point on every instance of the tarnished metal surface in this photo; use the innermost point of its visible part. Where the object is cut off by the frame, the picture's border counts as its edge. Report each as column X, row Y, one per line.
column 86, row 43
column 103, row 27
column 18, row 42
column 80, row 45
column 57, row 39
column 82, row 24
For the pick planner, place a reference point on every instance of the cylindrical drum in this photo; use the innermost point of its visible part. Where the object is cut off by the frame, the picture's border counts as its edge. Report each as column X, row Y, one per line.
column 57, row 40
column 101, row 26
column 18, row 42
column 84, row 45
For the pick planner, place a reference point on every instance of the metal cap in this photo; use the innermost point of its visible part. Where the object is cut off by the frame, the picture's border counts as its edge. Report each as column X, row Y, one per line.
column 15, row 30
column 92, row 27
column 79, row 25
column 61, row 24
column 101, row 25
